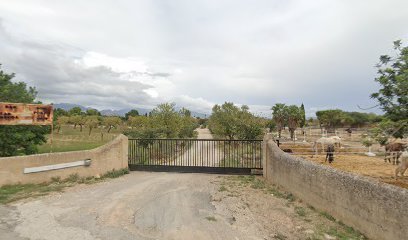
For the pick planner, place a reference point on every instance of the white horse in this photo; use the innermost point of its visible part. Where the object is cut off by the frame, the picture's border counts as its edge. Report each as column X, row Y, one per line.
column 337, row 140
column 326, row 141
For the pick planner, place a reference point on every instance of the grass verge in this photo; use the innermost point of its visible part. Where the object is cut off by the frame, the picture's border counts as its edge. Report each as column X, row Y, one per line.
column 11, row 193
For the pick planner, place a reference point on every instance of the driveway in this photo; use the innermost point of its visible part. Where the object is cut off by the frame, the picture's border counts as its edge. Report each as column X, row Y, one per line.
column 140, row 205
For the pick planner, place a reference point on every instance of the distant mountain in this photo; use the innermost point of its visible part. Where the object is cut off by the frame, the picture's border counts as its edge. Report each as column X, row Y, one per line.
column 120, row 112
column 69, row 106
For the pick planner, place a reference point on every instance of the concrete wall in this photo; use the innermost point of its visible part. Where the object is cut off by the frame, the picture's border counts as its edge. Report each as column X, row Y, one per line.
column 378, row 210
column 113, row 155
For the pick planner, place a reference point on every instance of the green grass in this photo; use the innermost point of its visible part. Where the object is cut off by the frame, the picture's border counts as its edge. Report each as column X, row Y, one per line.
column 11, row 193
column 279, row 236
column 222, row 189
column 328, row 216
column 300, row 211
column 211, row 219
column 70, row 139
column 343, row 233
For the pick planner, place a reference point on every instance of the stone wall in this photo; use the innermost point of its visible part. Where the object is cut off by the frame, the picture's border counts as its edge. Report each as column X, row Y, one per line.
column 113, row 155
column 378, row 210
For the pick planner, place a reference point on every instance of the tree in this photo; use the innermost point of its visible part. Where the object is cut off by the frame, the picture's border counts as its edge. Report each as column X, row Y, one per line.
column 294, row 117
column 60, row 112
column 15, row 140
column 393, row 93
column 131, row 113
column 271, row 125
column 163, row 122
column 302, row 123
column 249, row 126
column 331, row 118
column 75, row 119
column 92, row 112
column 279, row 115
column 188, row 124
column 75, row 111
column 224, row 120
column 140, row 122
column 92, row 122
column 230, row 121
column 112, row 122
column 165, row 118
column 61, row 120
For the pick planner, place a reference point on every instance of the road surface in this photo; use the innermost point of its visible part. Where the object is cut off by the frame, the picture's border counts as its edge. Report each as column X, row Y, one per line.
column 140, row 205
column 201, row 153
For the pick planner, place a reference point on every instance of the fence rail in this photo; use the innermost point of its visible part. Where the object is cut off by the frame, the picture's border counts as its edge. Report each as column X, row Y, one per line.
column 195, row 155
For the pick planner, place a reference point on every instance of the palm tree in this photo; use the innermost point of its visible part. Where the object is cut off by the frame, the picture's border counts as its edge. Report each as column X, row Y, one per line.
column 279, row 115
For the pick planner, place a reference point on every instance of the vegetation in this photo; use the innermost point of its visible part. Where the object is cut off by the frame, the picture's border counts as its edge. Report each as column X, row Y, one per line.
column 18, row 140
column 291, row 116
column 279, row 116
column 131, row 113
column 334, row 118
column 211, row 219
column 11, row 193
column 163, row 122
column 111, row 122
column 233, row 122
column 393, row 93
column 70, row 139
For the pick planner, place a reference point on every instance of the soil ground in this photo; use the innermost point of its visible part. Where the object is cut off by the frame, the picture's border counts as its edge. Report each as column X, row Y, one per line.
column 374, row 167
column 144, row 205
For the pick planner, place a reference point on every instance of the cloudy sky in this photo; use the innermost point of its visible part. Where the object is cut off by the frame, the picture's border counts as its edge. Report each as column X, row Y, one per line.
column 138, row 53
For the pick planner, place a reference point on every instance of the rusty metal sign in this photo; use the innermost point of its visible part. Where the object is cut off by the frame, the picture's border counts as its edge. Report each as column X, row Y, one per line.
column 25, row 114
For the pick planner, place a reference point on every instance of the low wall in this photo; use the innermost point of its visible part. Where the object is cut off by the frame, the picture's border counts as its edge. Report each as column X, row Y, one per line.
column 378, row 210
column 113, row 155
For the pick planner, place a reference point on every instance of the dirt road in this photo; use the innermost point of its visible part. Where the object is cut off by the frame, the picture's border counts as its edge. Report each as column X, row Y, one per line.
column 202, row 153
column 145, row 205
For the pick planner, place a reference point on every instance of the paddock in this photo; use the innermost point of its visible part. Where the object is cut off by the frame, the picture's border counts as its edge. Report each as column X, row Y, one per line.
column 351, row 158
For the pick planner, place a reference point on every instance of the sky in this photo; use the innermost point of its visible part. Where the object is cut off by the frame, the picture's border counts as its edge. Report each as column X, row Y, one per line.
column 114, row 54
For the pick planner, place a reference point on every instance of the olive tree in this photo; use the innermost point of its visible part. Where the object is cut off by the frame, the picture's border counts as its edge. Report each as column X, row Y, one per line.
column 15, row 140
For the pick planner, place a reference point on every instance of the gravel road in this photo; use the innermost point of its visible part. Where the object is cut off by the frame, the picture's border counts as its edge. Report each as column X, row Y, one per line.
column 140, row 205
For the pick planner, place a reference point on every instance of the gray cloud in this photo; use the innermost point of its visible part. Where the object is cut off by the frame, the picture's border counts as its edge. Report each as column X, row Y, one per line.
column 198, row 53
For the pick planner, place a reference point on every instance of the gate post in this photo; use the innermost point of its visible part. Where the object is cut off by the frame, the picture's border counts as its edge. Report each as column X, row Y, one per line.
column 265, row 156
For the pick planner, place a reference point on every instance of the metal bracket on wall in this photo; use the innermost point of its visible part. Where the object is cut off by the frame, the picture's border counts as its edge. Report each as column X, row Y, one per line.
column 86, row 162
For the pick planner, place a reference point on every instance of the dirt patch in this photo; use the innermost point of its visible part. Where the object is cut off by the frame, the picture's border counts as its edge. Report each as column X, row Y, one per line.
column 374, row 167
column 261, row 207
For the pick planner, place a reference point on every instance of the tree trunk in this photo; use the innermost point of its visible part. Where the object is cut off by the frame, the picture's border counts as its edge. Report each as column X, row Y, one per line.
column 110, row 127
column 80, row 127
column 90, row 130
column 292, row 133
column 75, row 126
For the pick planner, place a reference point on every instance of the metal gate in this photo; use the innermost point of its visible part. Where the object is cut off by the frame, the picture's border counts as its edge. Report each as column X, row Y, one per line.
column 195, row 155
